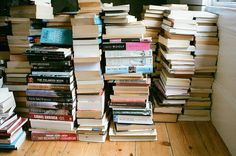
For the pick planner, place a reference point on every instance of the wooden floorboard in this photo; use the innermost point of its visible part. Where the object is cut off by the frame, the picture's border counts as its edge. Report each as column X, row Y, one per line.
column 174, row 139
column 179, row 144
column 157, row 148
column 211, row 139
column 193, row 138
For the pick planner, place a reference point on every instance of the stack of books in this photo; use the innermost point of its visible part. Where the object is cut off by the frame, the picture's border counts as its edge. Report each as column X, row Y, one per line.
column 152, row 18
column 51, row 93
column 207, row 47
column 177, row 63
column 11, row 133
column 87, row 30
column 4, row 31
column 26, row 30
column 128, row 56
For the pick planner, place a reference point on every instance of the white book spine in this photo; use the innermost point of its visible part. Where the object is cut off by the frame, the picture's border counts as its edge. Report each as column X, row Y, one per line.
column 129, row 61
column 124, row 53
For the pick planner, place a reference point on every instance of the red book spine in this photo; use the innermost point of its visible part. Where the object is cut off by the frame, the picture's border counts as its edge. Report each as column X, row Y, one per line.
column 53, row 136
column 51, row 117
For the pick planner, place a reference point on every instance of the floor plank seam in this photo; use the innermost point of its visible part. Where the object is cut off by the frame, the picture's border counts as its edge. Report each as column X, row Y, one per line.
column 172, row 151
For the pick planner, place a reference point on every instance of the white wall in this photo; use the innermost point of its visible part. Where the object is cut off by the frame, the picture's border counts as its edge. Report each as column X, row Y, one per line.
column 224, row 88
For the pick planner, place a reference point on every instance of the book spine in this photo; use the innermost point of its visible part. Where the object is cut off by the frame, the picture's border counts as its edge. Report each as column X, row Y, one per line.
column 127, row 46
column 49, row 99
column 51, row 63
column 45, row 58
column 138, row 46
column 127, row 69
column 52, row 80
column 53, row 136
column 123, row 53
column 51, row 117
column 39, row 52
column 49, row 93
column 50, row 73
column 49, row 105
column 129, row 61
column 48, row 86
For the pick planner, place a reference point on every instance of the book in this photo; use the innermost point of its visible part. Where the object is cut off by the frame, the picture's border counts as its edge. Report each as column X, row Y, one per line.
column 128, row 69
column 51, row 124
column 56, row 36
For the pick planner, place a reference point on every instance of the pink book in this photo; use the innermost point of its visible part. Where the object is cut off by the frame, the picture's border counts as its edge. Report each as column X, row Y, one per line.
column 138, row 46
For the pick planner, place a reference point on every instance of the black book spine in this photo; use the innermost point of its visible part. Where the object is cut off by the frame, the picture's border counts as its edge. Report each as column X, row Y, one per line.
column 45, row 58
column 66, row 63
column 52, row 80
column 114, row 46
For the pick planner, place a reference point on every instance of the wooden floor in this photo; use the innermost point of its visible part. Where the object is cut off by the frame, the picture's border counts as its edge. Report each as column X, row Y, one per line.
column 174, row 139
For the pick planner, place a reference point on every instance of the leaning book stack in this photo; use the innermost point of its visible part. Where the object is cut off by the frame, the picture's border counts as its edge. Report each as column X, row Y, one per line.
column 91, row 115
column 198, row 107
column 11, row 133
column 172, row 88
column 153, row 17
column 26, row 30
column 51, row 93
column 128, row 56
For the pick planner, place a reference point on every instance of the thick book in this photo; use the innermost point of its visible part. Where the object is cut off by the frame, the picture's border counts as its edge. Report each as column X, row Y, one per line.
column 56, row 36
column 127, row 46
column 52, row 124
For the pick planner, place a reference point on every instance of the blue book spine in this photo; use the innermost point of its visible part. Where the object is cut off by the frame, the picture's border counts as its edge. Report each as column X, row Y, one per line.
column 126, row 69
column 97, row 20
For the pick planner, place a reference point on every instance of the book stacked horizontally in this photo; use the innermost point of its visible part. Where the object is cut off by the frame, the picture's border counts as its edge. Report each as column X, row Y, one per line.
column 152, row 17
column 51, row 93
column 177, row 63
column 60, row 21
column 207, row 47
column 4, row 31
column 26, row 30
column 87, row 30
column 11, row 132
column 128, row 56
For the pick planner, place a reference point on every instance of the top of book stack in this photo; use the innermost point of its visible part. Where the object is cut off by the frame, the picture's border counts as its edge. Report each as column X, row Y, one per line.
column 87, row 6
column 119, row 24
column 38, row 10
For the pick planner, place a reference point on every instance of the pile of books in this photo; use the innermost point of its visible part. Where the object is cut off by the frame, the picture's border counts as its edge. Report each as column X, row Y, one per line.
column 207, row 47
column 152, row 17
column 87, row 30
column 26, row 30
column 51, row 93
column 11, row 133
column 172, row 89
column 128, row 56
